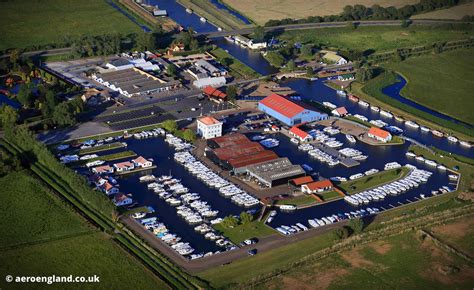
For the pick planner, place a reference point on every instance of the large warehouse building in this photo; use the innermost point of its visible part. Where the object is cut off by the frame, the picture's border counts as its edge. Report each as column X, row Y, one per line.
column 288, row 111
column 275, row 172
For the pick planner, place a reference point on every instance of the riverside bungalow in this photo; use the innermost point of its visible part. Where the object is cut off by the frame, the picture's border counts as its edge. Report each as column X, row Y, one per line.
column 346, row 77
column 97, row 180
column 317, row 186
column 104, row 169
column 108, row 188
column 340, row 112
column 121, row 199
column 299, row 134
column 379, row 134
column 142, row 162
column 124, row 166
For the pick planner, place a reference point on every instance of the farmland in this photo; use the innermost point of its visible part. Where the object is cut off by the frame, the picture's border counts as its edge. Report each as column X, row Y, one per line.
column 438, row 82
column 32, row 22
column 401, row 262
column 41, row 235
column 456, row 12
column 376, row 39
column 260, row 11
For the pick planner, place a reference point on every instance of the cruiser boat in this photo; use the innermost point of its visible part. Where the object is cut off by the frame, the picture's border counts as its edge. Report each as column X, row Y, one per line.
column 350, row 138
column 147, row 178
column 270, row 143
column 437, row 133
column 412, row 124
column 364, row 104
column 374, row 108
column 353, row 98
column 164, row 178
column 341, row 93
column 386, row 114
column 399, row 118
column 329, row 105
column 465, row 143
column 189, row 10
column 294, row 140
column 257, row 138
column 424, row 129
column 410, row 154
column 287, row 207
column 203, row 19
column 452, row 139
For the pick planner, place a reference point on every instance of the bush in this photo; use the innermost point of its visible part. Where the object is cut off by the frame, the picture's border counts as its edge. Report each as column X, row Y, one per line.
column 341, row 233
column 357, row 225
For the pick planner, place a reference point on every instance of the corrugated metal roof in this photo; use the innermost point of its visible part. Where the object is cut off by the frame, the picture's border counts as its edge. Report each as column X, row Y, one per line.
column 282, row 105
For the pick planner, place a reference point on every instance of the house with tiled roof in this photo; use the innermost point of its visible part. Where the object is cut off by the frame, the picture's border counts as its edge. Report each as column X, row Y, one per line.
column 108, row 188
column 379, row 134
column 142, row 162
column 104, row 169
column 121, row 199
column 299, row 134
column 340, row 112
column 124, row 166
column 209, row 127
column 288, row 111
column 317, row 186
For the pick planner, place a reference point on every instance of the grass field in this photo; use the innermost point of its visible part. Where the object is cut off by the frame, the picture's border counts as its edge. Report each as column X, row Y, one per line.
column 240, row 233
column 299, row 200
column 399, row 262
column 376, row 179
column 459, row 234
column 376, row 39
column 31, row 22
column 456, row 12
column 442, row 82
column 237, row 68
column 43, row 236
column 260, row 11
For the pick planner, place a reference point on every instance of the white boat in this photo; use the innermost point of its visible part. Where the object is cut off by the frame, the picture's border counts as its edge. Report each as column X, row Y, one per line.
column 412, row 124
column 189, row 10
column 386, row 114
column 364, row 104
column 410, row 154
column 287, row 207
column 465, row 144
column 294, row 140
column 202, row 19
column 437, row 133
column 453, row 177
column 452, row 139
column 424, row 129
column 341, row 93
column 147, row 178
column 356, row 176
column 350, row 138
column 441, row 167
column 329, row 105
column 374, row 108
column 257, row 138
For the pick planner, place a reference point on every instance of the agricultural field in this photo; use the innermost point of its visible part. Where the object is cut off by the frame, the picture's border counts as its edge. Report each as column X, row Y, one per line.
column 260, row 11
column 455, row 12
column 32, row 22
column 376, row 39
column 459, row 234
column 399, row 262
column 41, row 235
column 442, row 82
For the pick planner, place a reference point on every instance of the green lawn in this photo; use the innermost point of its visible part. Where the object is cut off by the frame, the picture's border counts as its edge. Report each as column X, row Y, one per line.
column 442, row 82
column 237, row 68
column 242, row 270
column 30, row 214
column 399, row 262
column 376, row 39
column 86, row 255
column 299, row 200
column 240, row 233
column 32, row 22
column 41, row 235
column 329, row 195
column 100, row 148
column 108, row 157
column 376, row 179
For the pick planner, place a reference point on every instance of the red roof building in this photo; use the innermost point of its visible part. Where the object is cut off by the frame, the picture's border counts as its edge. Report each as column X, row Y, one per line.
column 379, row 134
column 243, row 161
column 282, row 105
column 215, row 94
column 301, row 135
column 340, row 112
column 301, row 180
column 228, row 140
column 317, row 186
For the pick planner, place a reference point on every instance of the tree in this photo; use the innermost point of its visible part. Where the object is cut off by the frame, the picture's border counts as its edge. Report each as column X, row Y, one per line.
column 307, row 50
column 351, row 25
column 341, row 233
column 171, row 70
column 230, row 221
column 145, row 41
column 231, row 92
column 170, row 126
column 189, row 135
column 193, row 44
column 226, row 61
column 309, row 72
column 364, row 74
column 259, row 33
column 245, row 218
column 291, row 65
column 405, row 23
column 25, row 96
column 8, row 163
column 357, row 225
column 63, row 115
column 275, row 58
column 8, row 116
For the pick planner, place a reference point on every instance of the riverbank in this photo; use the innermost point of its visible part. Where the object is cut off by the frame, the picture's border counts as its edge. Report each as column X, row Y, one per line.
column 372, row 93
column 237, row 68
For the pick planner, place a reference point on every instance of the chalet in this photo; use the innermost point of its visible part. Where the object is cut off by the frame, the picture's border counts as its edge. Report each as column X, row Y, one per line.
column 96, row 179
column 317, row 186
column 142, row 162
column 333, row 58
column 176, row 47
column 108, row 188
column 346, row 77
column 104, row 169
column 121, row 199
column 124, row 166
column 340, row 112
column 379, row 134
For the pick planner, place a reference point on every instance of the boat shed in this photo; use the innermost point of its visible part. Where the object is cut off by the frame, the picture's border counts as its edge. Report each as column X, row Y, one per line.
column 288, row 111
column 275, row 172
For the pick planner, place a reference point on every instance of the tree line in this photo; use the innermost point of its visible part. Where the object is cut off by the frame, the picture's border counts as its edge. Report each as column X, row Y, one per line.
column 375, row 12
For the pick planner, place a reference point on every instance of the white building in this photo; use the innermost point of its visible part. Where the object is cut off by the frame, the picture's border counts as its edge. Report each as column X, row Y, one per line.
column 209, row 127
column 213, row 82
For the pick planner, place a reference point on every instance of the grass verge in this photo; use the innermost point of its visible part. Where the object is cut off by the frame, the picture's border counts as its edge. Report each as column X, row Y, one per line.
column 254, row 229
